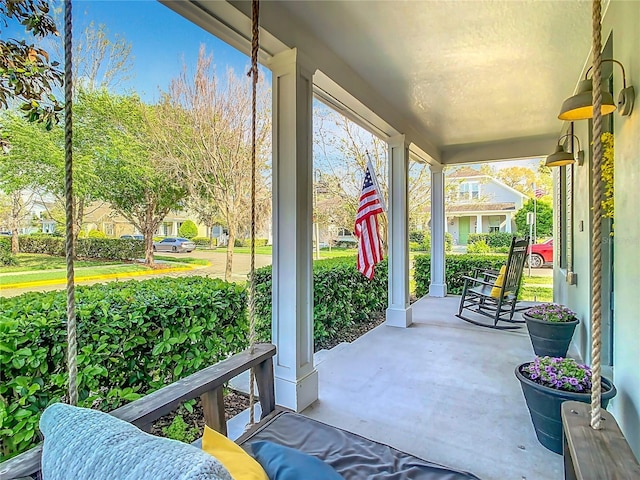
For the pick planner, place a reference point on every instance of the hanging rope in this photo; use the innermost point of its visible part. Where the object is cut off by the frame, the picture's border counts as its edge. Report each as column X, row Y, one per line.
column 253, row 73
column 72, row 349
column 596, row 240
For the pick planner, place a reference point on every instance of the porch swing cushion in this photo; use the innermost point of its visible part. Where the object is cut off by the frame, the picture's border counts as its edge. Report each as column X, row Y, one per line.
column 83, row 443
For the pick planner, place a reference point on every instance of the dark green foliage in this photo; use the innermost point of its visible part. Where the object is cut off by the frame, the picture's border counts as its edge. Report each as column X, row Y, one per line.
column 246, row 242
column 6, row 257
column 105, row 248
column 448, row 242
column 456, row 267
column 205, row 241
column 133, row 338
column 342, row 296
column 416, row 236
column 494, row 240
column 188, row 229
column 544, row 222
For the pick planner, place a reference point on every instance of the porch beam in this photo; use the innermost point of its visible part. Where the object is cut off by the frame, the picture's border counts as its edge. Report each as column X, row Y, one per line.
column 296, row 380
column 519, row 148
column 438, row 286
column 399, row 311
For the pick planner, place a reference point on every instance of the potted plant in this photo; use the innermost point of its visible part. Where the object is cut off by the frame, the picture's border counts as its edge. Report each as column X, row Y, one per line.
column 546, row 383
column 551, row 328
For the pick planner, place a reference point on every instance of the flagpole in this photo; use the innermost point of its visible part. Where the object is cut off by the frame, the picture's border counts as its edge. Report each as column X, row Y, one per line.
column 374, row 177
column 535, row 213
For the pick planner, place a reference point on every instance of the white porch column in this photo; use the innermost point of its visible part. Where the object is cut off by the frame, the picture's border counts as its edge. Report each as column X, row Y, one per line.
column 478, row 223
column 296, row 380
column 438, row 287
column 399, row 310
column 507, row 227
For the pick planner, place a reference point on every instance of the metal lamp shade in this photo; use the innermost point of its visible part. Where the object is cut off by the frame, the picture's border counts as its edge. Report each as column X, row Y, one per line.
column 580, row 106
column 559, row 158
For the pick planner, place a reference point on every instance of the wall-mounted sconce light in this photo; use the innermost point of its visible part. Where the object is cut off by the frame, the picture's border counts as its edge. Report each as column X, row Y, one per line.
column 561, row 157
column 580, row 106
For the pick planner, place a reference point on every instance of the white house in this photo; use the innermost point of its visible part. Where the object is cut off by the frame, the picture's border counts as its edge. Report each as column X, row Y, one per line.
column 479, row 203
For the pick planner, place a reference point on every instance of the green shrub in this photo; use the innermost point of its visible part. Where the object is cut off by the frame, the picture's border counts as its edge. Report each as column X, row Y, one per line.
column 105, row 248
column 346, row 244
column 416, row 236
column 96, row 234
column 456, row 267
column 342, row 296
column 494, row 239
column 448, row 242
column 188, row 229
column 415, row 246
column 6, row 257
column 479, row 247
column 133, row 337
column 246, row 242
column 179, row 430
column 205, row 241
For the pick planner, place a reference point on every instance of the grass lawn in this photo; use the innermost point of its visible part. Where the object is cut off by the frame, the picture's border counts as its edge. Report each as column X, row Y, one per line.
column 189, row 260
column 536, row 289
column 24, row 277
column 266, row 250
column 39, row 261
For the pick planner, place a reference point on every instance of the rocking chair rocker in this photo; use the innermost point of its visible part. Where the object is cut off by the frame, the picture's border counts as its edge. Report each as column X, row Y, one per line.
column 495, row 294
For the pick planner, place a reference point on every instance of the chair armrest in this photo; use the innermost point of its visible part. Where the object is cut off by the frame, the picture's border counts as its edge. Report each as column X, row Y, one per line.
column 478, row 280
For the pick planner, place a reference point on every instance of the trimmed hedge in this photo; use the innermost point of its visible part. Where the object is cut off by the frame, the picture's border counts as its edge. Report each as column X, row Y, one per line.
column 448, row 242
column 205, row 241
column 456, row 266
column 494, row 239
column 342, row 296
column 105, row 248
column 6, row 257
column 245, row 242
column 133, row 337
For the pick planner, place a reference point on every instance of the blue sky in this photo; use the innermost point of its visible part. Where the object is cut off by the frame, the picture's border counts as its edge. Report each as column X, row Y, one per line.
column 160, row 40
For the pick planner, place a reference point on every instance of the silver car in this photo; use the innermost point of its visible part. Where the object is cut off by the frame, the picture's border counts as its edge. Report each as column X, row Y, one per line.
column 172, row 244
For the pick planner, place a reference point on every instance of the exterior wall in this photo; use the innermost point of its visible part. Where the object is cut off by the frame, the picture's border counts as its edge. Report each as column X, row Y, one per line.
column 621, row 20
column 493, row 191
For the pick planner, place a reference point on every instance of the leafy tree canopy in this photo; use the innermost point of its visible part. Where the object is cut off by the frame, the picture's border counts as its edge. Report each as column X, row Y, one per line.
column 544, row 222
column 26, row 72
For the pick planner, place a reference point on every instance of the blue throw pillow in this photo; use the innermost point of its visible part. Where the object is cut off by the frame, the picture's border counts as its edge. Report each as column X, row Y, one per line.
column 284, row 463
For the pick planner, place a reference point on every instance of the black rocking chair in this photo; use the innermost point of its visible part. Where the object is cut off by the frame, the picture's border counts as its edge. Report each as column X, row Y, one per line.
column 495, row 294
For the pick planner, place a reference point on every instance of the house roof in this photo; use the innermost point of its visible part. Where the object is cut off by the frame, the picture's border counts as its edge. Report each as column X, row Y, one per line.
column 481, row 207
column 465, row 172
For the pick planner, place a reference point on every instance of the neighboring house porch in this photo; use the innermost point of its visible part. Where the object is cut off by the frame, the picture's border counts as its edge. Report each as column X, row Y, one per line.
column 481, row 218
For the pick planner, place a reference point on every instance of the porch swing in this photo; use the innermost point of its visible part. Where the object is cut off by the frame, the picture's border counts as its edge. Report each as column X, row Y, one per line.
column 87, row 444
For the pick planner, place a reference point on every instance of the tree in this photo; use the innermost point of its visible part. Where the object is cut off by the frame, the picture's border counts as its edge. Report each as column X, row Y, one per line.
column 188, row 229
column 26, row 72
column 205, row 129
column 544, row 223
column 138, row 181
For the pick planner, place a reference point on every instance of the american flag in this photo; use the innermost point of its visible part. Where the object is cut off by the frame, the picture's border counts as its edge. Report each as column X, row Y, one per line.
column 539, row 192
column 367, row 231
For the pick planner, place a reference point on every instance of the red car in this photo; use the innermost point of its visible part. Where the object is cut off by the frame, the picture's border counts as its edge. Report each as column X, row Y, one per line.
column 541, row 253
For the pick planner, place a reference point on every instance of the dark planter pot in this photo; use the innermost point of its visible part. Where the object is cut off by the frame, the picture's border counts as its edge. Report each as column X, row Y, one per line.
column 544, row 407
column 550, row 338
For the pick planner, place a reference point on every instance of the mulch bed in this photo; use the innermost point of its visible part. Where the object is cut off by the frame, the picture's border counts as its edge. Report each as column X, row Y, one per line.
column 236, row 402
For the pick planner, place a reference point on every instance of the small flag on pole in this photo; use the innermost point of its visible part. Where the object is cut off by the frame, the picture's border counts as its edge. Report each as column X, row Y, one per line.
column 367, row 228
column 539, row 192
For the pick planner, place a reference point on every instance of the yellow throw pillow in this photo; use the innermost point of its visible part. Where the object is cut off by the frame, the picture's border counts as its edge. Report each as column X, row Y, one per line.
column 495, row 291
column 239, row 463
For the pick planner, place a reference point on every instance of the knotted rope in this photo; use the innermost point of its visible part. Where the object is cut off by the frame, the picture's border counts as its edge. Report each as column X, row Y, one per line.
column 596, row 240
column 72, row 348
column 253, row 73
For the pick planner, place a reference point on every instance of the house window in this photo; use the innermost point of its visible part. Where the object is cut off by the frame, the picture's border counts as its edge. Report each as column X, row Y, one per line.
column 494, row 229
column 469, row 191
column 108, row 229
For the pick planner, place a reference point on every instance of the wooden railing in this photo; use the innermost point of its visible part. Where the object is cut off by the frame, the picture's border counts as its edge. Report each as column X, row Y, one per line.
column 207, row 384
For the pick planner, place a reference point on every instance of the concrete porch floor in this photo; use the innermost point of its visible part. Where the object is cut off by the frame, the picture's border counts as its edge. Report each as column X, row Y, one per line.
column 443, row 390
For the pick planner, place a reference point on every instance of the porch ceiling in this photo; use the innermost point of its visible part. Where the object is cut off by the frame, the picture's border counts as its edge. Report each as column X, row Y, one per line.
column 463, row 78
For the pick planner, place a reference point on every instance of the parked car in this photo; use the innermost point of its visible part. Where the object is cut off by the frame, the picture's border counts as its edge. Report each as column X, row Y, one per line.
column 172, row 244
column 132, row 237
column 541, row 254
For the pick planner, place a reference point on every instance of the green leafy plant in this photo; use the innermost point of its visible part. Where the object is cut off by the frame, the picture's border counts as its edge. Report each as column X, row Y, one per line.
column 133, row 338
column 6, row 257
column 179, row 430
column 188, row 229
column 493, row 239
column 96, row 234
column 607, row 174
column 456, row 266
column 105, row 248
column 448, row 242
column 551, row 312
column 205, row 241
column 245, row 242
column 544, row 221
column 478, row 247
